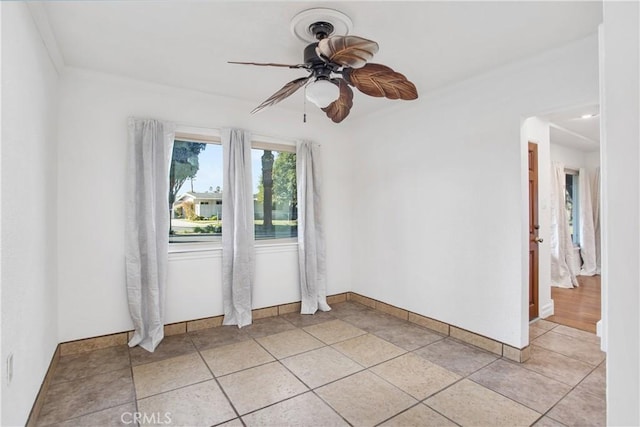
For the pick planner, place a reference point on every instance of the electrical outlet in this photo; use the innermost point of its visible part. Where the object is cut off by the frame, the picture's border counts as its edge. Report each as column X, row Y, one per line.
column 9, row 368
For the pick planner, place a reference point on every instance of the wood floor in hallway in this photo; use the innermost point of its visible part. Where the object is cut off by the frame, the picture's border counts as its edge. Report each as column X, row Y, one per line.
column 578, row 307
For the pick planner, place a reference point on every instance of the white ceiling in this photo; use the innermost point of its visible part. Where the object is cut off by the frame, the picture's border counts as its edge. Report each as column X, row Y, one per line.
column 570, row 129
column 187, row 43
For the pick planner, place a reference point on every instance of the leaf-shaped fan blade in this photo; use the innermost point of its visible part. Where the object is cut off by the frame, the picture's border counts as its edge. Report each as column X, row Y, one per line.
column 269, row 64
column 286, row 91
column 347, row 51
column 339, row 109
column 379, row 80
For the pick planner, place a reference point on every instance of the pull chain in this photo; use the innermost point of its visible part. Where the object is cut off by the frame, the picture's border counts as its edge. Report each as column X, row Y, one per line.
column 304, row 115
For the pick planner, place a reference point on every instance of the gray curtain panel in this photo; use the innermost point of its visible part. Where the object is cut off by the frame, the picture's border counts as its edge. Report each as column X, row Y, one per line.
column 311, row 246
column 587, row 226
column 562, row 274
column 147, row 227
column 238, row 256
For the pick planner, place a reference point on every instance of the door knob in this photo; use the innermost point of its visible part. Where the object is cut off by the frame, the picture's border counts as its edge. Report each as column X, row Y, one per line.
column 538, row 240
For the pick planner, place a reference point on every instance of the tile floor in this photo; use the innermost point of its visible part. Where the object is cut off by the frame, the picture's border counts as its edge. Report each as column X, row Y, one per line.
column 350, row 366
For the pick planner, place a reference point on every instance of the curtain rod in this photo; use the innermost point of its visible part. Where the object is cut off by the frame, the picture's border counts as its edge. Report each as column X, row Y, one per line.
column 184, row 128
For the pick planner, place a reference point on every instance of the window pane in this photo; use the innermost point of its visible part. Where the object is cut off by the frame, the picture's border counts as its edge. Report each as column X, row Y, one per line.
column 275, row 197
column 195, row 192
column 572, row 205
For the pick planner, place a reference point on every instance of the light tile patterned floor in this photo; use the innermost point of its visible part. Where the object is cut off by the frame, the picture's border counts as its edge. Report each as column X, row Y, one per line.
column 351, row 366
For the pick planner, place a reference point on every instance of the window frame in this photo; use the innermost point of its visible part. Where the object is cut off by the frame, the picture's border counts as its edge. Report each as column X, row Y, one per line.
column 212, row 136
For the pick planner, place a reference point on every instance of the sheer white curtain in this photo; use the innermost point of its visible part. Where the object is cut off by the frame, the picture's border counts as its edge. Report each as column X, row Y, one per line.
column 587, row 228
column 150, row 144
column 238, row 256
column 311, row 246
column 561, row 244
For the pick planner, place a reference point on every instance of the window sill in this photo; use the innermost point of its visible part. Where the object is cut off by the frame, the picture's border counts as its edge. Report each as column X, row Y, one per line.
column 178, row 248
column 215, row 248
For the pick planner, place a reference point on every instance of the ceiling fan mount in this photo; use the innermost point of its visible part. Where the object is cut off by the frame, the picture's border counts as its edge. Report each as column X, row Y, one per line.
column 321, row 30
column 335, row 62
column 303, row 24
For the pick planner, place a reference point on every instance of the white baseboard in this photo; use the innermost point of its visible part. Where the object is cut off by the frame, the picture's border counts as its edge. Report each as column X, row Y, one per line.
column 546, row 310
column 599, row 328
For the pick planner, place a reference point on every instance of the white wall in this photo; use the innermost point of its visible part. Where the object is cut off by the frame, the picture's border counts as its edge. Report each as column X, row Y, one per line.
column 451, row 167
column 575, row 159
column 592, row 160
column 537, row 130
column 29, row 117
column 92, row 157
column 621, row 209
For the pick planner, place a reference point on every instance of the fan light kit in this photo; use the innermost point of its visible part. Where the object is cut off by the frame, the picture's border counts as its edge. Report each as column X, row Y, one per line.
column 322, row 92
column 336, row 62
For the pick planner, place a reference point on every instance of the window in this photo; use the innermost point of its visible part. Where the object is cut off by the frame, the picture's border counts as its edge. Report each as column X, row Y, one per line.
column 195, row 187
column 275, row 198
column 195, row 191
column 571, row 204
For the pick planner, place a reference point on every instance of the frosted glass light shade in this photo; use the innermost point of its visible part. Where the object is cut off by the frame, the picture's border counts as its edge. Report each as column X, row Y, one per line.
column 322, row 92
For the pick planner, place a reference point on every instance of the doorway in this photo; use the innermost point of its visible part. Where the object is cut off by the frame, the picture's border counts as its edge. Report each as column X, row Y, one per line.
column 574, row 146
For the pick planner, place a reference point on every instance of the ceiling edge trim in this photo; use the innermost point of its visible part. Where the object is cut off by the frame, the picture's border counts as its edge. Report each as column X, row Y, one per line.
column 39, row 15
column 572, row 133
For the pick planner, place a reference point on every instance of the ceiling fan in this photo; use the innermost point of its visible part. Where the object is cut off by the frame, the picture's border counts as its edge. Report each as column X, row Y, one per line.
column 334, row 63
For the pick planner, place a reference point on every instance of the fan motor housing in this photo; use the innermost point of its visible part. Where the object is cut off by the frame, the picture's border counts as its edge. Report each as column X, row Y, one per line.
column 310, row 55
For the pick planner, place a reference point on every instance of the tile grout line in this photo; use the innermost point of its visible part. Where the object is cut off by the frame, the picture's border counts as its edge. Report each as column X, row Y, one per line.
column 260, row 364
column 364, row 369
column 546, row 414
column 369, row 369
column 570, row 339
column 134, row 402
column 94, row 374
column 175, row 389
column 468, row 377
column 222, row 390
column 133, row 382
column 213, row 377
column 510, row 398
column 309, row 389
column 564, row 355
column 281, row 364
column 550, row 378
column 419, row 403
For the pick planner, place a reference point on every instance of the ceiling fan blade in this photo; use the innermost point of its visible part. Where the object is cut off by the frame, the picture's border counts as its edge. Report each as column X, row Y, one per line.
column 339, row 109
column 380, row 81
column 286, row 91
column 347, row 51
column 269, row 64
